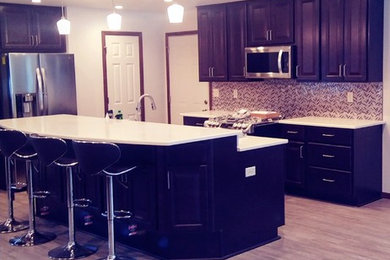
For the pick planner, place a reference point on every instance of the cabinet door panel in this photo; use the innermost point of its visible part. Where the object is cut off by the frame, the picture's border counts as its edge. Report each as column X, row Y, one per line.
column 204, row 36
column 307, row 39
column 188, row 191
column 332, row 38
column 45, row 20
column 355, row 40
column 295, row 172
column 236, row 40
column 219, row 56
column 16, row 29
column 281, row 21
column 258, row 22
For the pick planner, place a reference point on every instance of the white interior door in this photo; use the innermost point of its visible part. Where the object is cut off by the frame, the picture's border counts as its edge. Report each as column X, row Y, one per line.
column 187, row 94
column 123, row 74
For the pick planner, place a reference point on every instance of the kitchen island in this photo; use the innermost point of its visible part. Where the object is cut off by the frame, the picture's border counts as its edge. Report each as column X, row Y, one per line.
column 197, row 192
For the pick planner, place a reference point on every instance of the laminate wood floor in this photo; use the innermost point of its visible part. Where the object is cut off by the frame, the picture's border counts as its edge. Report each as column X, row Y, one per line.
column 313, row 230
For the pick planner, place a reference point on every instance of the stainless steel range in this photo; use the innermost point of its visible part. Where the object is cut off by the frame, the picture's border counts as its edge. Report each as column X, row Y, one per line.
column 244, row 120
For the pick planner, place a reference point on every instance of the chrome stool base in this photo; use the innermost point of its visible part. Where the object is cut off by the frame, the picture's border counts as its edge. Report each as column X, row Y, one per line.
column 32, row 239
column 72, row 252
column 11, row 225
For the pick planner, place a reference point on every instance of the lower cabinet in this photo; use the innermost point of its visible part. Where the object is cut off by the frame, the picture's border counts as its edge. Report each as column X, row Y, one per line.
column 194, row 121
column 335, row 164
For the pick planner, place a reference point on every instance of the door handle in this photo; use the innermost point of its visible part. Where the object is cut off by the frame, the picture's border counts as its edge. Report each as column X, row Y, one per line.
column 244, row 71
column 212, row 72
column 344, row 68
column 340, row 71
column 297, row 70
column 209, row 71
column 44, row 91
column 280, row 61
column 40, row 90
column 36, row 40
column 301, row 152
column 328, row 156
column 32, row 40
column 267, row 35
column 169, row 180
column 270, row 35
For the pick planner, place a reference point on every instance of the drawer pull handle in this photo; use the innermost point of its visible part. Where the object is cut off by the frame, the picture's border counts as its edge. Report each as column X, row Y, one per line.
column 328, row 180
column 199, row 124
column 292, row 132
column 327, row 135
column 328, row 156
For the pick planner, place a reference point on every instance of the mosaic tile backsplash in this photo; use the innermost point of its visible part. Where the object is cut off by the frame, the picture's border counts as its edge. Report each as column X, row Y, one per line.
column 298, row 99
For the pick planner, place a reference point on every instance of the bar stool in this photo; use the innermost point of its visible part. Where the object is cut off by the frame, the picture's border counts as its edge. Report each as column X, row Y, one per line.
column 26, row 153
column 101, row 157
column 53, row 150
column 10, row 143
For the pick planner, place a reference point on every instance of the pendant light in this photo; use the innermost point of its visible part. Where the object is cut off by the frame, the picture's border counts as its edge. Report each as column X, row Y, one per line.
column 63, row 24
column 114, row 20
column 175, row 13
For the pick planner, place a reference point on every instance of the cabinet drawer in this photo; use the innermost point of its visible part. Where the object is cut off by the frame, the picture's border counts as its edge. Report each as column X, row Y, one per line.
column 293, row 132
column 329, row 184
column 329, row 135
column 193, row 121
column 329, row 156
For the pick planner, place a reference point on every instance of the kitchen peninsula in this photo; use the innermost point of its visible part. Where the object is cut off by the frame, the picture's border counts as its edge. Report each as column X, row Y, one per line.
column 197, row 192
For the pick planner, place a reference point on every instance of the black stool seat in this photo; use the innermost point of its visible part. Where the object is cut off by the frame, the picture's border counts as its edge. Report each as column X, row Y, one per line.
column 55, row 151
column 10, row 142
column 101, row 157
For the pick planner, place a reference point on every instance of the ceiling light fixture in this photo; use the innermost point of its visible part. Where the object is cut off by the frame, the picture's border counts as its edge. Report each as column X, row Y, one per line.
column 114, row 20
column 63, row 24
column 118, row 7
column 35, row 1
column 175, row 13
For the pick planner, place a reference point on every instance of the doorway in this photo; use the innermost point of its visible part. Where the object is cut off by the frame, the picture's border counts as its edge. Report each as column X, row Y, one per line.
column 123, row 72
column 184, row 91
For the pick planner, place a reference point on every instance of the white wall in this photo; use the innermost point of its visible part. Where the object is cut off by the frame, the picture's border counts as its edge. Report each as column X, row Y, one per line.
column 386, row 100
column 86, row 43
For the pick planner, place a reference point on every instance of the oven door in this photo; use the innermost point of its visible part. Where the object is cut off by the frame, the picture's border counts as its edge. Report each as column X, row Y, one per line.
column 268, row 62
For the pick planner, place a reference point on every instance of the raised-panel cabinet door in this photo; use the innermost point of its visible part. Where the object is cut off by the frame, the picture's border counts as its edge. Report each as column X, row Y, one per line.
column 16, row 30
column 332, row 38
column 355, row 40
column 204, row 43
column 219, row 49
column 295, row 170
column 46, row 32
column 236, row 40
column 258, row 22
column 281, row 21
column 307, row 39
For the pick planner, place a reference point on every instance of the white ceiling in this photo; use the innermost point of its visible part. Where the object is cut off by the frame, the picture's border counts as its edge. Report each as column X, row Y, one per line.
column 139, row 5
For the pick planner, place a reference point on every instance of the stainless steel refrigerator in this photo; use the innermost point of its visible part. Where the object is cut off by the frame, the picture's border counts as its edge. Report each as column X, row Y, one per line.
column 36, row 84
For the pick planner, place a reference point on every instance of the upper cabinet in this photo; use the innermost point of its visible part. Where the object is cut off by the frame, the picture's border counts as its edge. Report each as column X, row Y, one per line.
column 307, row 39
column 212, row 43
column 236, row 40
column 30, row 29
column 352, row 40
column 270, row 22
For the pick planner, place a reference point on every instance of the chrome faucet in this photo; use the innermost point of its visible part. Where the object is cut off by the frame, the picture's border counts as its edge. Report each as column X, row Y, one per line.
column 138, row 108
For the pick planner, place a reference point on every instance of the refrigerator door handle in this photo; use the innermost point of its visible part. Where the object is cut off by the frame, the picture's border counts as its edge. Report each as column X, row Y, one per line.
column 40, row 91
column 44, row 89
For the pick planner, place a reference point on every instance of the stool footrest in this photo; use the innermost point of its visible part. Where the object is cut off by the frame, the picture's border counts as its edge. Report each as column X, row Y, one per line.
column 19, row 186
column 41, row 194
column 82, row 203
column 120, row 214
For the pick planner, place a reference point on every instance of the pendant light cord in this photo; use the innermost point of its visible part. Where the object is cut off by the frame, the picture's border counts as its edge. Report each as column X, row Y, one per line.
column 62, row 8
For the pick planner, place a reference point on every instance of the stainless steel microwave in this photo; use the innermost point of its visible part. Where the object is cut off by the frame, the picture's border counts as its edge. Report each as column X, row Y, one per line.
column 268, row 62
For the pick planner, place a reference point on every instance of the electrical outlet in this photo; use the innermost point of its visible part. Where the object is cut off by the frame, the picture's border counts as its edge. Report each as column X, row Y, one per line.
column 235, row 93
column 250, row 171
column 350, row 97
column 215, row 92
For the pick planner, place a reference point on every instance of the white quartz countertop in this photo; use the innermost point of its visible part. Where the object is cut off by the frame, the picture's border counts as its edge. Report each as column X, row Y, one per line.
column 207, row 114
column 112, row 130
column 247, row 143
column 331, row 122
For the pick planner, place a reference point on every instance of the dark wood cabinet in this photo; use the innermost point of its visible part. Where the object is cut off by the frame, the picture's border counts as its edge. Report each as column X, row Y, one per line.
column 236, row 40
column 295, row 166
column 270, row 22
column 307, row 39
column 30, row 29
column 212, row 43
column 194, row 121
column 349, row 28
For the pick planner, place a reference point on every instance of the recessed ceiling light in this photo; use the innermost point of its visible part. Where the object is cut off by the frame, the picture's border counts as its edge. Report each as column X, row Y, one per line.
column 118, row 7
column 167, row 1
column 36, row 1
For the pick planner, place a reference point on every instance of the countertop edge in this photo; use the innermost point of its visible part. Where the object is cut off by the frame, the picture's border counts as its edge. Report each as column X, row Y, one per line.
column 258, row 143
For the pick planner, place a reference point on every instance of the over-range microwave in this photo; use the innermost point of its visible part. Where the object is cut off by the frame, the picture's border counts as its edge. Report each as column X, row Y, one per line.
column 268, row 62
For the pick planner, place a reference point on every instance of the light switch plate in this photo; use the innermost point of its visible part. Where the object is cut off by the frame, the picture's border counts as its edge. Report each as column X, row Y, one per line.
column 350, row 97
column 250, row 171
column 215, row 92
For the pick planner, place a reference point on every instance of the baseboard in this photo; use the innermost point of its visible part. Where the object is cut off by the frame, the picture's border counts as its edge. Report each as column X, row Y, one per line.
column 385, row 195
